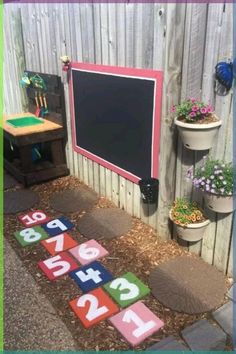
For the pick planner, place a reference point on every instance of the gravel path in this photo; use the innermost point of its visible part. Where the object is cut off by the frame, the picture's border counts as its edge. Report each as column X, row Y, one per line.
column 31, row 322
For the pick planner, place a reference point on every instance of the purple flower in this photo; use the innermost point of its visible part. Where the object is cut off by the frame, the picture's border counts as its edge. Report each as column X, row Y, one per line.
column 192, row 99
column 192, row 114
column 195, row 108
column 208, row 181
column 173, row 109
column 203, row 183
column 207, row 188
column 203, row 110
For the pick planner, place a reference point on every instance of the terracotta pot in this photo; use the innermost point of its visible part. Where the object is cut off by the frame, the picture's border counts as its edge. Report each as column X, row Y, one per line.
column 198, row 136
column 191, row 232
column 219, row 203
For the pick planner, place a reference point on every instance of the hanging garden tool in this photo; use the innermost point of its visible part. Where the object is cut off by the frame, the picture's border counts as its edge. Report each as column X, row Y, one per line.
column 38, row 82
column 224, row 77
column 25, row 80
column 45, row 104
column 37, row 112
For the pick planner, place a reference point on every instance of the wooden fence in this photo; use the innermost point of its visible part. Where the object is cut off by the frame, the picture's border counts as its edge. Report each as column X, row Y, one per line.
column 184, row 40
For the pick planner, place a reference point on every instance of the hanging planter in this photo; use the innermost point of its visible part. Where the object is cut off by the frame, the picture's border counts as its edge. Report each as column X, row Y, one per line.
column 197, row 124
column 190, row 223
column 215, row 180
column 219, row 203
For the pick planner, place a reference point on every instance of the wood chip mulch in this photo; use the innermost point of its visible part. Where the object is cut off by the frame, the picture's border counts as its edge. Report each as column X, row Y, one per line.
column 139, row 251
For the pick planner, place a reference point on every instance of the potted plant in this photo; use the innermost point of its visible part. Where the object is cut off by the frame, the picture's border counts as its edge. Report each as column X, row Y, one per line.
column 189, row 220
column 197, row 124
column 215, row 179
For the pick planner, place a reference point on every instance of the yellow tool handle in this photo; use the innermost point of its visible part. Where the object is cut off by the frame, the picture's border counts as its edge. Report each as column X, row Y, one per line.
column 45, row 102
column 41, row 101
column 37, row 101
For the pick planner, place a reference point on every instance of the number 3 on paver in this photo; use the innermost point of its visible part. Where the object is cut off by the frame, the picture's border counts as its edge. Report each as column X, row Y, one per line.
column 30, row 235
column 126, row 289
column 93, row 307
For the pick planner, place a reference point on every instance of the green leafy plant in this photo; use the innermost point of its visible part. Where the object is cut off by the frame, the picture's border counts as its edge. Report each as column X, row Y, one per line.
column 214, row 177
column 192, row 111
column 184, row 212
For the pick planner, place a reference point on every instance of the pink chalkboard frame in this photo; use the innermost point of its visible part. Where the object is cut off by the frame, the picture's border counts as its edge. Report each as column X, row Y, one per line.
column 153, row 75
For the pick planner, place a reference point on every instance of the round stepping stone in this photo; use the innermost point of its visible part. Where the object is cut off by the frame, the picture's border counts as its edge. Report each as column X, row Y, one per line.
column 19, row 200
column 105, row 223
column 9, row 181
column 73, row 200
column 188, row 285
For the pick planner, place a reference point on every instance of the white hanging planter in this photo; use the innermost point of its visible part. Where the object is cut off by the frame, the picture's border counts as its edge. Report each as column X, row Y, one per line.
column 191, row 232
column 198, row 136
column 219, row 203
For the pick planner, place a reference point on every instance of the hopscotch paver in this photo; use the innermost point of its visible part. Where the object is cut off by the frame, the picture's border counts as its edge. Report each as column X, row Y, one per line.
column 91, row 276
column 57, row 226
column 30, row 235
column 33, row 218
column 59, row 243
column 203, row 336
column 224, row 316
column 170, row 343
column 58, row 265
column 93, row 307
column 136, row 323
column 88, row 252
column 126, row 289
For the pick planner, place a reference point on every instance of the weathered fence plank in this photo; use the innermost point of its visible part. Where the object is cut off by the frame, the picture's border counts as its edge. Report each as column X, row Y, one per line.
column 183, row 40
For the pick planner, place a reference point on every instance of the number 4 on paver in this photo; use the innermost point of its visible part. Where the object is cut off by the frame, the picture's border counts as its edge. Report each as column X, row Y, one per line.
column 136, row 323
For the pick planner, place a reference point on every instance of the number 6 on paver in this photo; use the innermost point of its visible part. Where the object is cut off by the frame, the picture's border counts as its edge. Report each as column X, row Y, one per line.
column 88, row 252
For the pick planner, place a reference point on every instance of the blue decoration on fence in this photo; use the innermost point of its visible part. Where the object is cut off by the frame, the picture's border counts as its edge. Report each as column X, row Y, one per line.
column 224, row 76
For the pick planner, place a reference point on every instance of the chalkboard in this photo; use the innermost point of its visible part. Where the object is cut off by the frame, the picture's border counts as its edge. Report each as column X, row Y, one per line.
column 116, row 118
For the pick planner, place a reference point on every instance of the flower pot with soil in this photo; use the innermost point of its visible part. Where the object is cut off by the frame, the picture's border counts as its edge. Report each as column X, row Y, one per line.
column 215, row 179
column 189, row 220
column 196, row 123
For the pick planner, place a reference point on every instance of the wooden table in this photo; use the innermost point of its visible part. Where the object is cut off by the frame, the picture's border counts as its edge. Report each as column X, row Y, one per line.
column 18, row 144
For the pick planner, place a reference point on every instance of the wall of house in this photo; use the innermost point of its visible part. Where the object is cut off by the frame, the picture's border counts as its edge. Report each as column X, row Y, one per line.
column 184, row 40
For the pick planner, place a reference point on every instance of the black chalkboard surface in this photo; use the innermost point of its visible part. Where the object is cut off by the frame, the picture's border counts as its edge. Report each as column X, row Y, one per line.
column 114, row 120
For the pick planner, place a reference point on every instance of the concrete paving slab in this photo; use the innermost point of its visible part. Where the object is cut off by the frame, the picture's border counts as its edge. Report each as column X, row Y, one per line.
column 232, row 293
column 169, row 343
column 30, row 322
column 202, row 335
column 224, row 316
